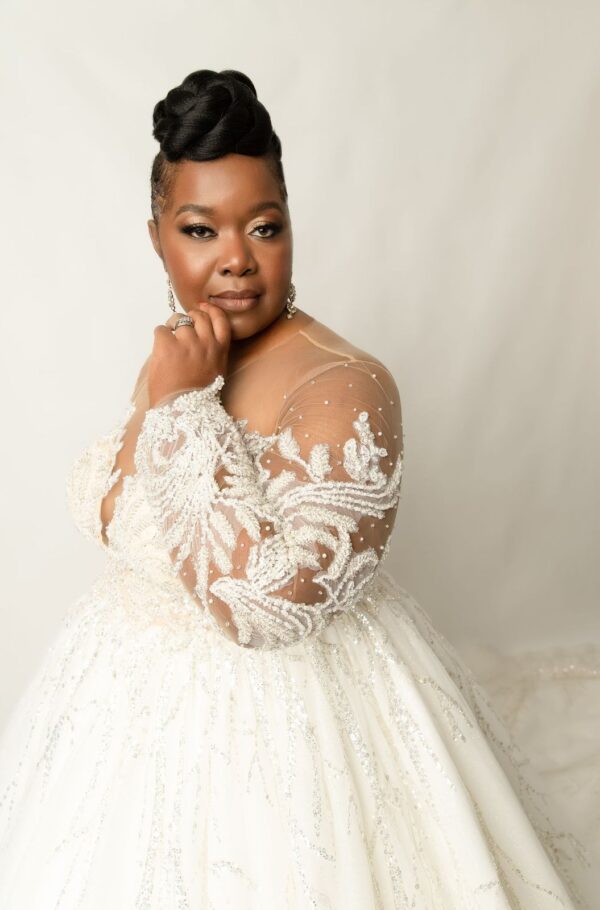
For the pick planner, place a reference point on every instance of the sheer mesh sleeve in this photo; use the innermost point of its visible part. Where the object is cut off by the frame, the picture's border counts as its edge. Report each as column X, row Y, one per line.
column 276, row 535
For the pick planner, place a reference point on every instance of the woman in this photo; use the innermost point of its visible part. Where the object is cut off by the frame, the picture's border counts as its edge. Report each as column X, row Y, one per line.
column 245, row 710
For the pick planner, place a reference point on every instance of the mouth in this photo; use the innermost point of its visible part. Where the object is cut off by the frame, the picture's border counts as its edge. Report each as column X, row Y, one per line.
column 235, row 304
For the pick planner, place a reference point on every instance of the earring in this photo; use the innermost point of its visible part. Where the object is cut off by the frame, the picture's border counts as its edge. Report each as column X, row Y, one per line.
column 170, row 295
column 290, row 306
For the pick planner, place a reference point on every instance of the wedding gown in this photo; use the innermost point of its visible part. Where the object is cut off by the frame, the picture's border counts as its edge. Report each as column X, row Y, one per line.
column 245, row 710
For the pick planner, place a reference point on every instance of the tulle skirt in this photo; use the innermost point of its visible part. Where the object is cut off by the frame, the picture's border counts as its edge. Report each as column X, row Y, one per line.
column 363, row 768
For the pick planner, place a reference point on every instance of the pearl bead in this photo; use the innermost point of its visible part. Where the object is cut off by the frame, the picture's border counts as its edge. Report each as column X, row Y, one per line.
column 235, row 502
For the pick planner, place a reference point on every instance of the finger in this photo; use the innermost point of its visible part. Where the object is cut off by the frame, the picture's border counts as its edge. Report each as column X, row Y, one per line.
column 163, row 338
column 171, row 322
column 162, row 331
column 220, row 323
column 200, row 327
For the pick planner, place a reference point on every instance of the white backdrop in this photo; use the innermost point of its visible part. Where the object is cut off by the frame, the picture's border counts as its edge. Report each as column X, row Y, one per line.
column 442, row 167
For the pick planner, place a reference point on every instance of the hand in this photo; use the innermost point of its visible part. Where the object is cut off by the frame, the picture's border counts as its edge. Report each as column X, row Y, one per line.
column 192, row 356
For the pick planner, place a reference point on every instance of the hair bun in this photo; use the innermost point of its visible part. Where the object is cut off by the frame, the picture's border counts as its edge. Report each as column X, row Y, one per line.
column 210, row 111
column 208, row 116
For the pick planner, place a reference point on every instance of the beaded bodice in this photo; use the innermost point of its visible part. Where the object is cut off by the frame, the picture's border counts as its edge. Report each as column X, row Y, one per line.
column 265, row 537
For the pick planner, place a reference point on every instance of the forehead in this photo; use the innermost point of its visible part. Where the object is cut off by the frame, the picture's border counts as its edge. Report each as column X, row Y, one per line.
column 230, row 183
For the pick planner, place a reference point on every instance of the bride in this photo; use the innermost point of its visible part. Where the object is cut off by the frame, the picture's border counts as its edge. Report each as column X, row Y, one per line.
column 246, row 710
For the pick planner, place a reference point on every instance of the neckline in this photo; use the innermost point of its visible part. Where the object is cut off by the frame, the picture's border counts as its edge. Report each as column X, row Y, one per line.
column 274, row 347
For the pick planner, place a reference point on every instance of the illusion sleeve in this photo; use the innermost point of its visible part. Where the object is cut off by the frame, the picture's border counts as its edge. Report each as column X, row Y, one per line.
column 276, row 535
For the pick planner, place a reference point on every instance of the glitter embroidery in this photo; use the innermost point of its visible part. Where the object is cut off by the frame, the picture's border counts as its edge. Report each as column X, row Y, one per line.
column 295, row 528
column 327, row 750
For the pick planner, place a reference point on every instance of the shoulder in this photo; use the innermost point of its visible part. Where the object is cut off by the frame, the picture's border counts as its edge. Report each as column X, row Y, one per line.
column 337, row 383
column 331, row 354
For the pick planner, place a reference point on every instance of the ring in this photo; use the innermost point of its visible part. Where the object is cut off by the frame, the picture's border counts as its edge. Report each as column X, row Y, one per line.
column 183, row 320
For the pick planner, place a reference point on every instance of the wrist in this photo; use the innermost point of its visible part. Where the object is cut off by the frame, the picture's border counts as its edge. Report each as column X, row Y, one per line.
column 200, row 392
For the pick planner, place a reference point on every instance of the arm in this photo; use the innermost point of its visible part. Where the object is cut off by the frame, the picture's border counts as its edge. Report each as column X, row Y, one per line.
column 276, row 536
column 140, row 379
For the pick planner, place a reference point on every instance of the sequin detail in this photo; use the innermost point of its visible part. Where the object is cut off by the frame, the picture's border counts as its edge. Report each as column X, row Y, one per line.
column 298, row 518
column 154, row 763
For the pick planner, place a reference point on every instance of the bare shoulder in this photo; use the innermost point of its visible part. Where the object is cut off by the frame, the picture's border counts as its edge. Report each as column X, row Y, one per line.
column 334, row 348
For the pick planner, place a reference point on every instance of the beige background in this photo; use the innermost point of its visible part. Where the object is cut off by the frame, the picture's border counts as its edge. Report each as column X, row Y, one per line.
column 442, row 165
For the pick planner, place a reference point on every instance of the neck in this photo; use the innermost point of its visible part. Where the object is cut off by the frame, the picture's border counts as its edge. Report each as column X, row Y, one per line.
column 248, row 349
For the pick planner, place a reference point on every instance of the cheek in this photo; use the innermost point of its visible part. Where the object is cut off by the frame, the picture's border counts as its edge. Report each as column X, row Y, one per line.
column 189, row 264
column 277, row 270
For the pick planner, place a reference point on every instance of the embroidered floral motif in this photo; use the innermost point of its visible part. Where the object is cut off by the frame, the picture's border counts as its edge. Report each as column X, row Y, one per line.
column 360, row 753
column 298, row 516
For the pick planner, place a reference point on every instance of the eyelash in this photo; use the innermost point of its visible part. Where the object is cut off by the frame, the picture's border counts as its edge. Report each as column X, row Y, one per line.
column 189, row 228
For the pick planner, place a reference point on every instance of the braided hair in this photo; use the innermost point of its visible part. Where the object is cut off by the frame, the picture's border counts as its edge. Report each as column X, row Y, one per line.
column 211, row 114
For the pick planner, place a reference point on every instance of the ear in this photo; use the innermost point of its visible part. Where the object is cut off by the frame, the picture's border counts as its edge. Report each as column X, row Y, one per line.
column 153, row 231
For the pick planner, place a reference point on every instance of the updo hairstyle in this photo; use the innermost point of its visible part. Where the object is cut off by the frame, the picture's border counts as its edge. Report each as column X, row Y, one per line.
column 211, row 114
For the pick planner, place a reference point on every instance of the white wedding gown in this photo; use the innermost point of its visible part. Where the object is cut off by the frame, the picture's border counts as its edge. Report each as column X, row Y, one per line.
column 245, row 711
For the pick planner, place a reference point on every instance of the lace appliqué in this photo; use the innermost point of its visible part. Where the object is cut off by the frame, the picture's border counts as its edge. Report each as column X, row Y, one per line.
column 210, row 490
column 92, row 475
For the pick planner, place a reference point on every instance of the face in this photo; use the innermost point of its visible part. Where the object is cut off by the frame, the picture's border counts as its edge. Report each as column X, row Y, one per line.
column 226, row 227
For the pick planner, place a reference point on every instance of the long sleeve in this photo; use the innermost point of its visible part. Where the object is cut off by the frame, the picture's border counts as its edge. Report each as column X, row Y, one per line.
column 276, row 535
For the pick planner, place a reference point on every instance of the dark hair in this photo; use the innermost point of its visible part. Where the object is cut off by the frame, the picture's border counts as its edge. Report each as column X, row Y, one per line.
column 210, row 115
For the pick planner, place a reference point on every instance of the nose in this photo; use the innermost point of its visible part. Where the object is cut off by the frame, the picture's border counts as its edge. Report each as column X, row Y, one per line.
column 237, row 257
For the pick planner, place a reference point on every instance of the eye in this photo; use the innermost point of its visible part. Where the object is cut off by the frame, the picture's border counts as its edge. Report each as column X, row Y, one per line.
column 270, row 225
column 193, row 229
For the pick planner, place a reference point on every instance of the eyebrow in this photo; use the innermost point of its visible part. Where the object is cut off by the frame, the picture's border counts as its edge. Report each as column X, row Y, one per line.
column 208, row 210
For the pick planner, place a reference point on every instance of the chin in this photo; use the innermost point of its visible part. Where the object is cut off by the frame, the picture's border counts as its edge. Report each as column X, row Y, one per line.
column 245, row 325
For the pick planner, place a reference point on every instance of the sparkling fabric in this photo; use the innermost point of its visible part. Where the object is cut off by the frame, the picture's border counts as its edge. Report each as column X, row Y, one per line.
column 295, row 525
column 245, row 710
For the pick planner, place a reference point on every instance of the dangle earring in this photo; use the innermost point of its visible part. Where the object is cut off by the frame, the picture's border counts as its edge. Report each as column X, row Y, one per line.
column 290, row 306
column 170, row 295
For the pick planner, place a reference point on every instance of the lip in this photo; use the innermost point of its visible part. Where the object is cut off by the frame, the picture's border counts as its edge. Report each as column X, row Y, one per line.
column 242, row 293
column 234, row 304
